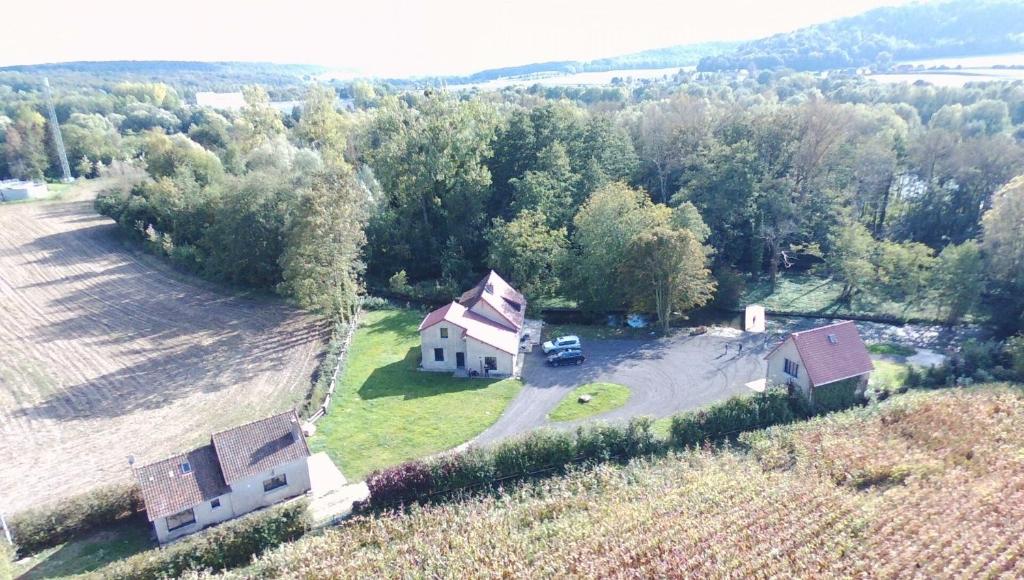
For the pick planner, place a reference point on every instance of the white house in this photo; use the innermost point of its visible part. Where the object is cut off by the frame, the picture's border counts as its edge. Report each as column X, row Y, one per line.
column 14, row 190
column 820, row 356
column 478, row 333
column 242, row 469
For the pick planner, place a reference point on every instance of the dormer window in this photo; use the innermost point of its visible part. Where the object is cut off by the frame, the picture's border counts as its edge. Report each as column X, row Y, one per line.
column 489, row 288
column 833, row 339
column 185, row 467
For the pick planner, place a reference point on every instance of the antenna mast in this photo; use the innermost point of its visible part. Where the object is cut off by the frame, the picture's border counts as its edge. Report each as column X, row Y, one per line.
column 55, row 129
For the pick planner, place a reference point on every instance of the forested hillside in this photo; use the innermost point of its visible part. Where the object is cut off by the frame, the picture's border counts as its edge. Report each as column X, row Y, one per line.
column 884, row 35
column 700, row 184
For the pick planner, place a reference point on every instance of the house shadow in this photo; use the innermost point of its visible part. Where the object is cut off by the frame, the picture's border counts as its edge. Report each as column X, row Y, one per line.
column 95, row 549
column 404, row 379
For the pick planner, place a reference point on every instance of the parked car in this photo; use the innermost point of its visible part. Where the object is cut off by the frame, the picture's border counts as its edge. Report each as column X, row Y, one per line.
column 566, row 357
column 561, row 343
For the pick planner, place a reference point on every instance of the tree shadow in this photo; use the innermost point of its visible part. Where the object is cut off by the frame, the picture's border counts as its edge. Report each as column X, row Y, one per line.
column 93, row 550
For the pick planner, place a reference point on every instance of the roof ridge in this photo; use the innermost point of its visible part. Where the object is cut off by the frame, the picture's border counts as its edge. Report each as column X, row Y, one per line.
column 254, row 421
column 176, row 455
column 841, row 322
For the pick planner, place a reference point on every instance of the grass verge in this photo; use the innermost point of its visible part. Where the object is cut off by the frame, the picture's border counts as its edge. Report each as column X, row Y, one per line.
column 604, row 398
column 888, row 376
column 88, row 552
column 385, row 411
column 891, row 349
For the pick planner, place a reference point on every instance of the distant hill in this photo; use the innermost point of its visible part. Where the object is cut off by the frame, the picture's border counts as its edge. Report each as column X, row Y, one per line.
column 673, row 56
column 884, row 35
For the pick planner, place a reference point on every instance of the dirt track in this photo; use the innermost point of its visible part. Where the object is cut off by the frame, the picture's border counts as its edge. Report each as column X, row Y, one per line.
column 104, row 353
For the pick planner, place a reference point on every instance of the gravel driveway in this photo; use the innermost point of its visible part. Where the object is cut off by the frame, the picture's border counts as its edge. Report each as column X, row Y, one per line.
column 665, row 375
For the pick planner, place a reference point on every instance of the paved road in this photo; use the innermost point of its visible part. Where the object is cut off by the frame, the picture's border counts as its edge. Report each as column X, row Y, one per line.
column 666, row 376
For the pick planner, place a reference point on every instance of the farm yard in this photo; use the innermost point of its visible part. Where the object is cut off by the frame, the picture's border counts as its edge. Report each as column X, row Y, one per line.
column 107, row 354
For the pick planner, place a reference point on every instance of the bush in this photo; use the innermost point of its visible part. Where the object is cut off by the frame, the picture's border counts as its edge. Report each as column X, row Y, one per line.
column 536, row 450
column 837, row 396
column 400, row 483
column 48, row 526
column 374, row 303
column 458, row 470
column 233, row 543
column 601, row 442
column 728, row 419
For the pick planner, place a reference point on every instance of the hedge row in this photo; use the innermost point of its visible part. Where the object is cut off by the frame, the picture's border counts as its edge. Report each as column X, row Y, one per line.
column 535, row 452
column 325, row 372
column 545, row 450
column 230, row 544
column 39, row 528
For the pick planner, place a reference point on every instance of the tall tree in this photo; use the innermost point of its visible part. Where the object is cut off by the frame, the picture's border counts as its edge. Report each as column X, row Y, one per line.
column 323, row 127
column 529, row 252
column 959, row 279
column 258, row 122
column 25, row 145
column 1004, row 248
column 321, row 261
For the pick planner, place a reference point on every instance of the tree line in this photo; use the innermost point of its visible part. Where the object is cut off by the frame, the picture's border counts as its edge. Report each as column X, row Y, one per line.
column 663, row 198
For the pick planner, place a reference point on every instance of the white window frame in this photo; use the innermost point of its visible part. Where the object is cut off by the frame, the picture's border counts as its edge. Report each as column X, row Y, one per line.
column 791, row 368
column 215, row 500
column 183, row 513
column 283, row 477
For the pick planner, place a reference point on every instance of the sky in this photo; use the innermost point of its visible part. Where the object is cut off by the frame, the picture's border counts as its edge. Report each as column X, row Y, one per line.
column 393, row 38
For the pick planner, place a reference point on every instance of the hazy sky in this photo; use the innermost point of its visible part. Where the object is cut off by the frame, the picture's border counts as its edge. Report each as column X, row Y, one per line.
column 389, row 37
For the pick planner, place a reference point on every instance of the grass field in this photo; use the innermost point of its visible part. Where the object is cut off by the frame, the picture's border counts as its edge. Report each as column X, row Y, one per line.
column 108, row 354
column 888, row 376
column 604, row 397
column 385, row 411
column 927, row 484
column 88, row 553
column 807, row 293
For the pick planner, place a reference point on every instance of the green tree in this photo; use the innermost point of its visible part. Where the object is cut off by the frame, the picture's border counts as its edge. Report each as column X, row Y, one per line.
column 959, row 279
column 668, row 269
column 852, row 258
column 25, row 145
column 1004, row 248
column 529, row 252
column 549, row 189
column 320, row 265
column 323, row 127
column 258, row 121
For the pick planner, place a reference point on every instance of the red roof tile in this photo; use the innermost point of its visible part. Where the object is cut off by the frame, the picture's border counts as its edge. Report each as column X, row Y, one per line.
column 258, row 446
column 499, row 295
column 832, row 353
column 475, row 326
column 167, row 491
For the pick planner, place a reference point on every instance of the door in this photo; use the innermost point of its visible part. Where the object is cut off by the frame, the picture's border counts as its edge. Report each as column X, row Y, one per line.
column 460, row 360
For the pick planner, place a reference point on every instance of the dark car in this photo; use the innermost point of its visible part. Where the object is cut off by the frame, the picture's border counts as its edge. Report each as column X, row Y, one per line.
column 566, row 357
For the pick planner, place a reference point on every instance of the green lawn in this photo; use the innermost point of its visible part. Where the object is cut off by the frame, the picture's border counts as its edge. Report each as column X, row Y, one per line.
column 595, row 331
column 891, row 349
column 808, row 293
column 604, row 397
column 89, row 552
column 386, row 412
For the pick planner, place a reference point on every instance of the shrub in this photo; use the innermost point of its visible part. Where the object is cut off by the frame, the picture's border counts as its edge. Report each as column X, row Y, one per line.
column 601, row 442
column 400, row 483
column 230, row 544
column 535, row 451
column 374, row 303
column 44, row 527
column 458, row 470
column 729, row 418
column 399, row 282
column 836, row 396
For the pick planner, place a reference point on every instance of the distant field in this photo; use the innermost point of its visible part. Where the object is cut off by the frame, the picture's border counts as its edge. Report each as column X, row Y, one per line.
column 106, row 354
column 923, row 485
column 578, row 79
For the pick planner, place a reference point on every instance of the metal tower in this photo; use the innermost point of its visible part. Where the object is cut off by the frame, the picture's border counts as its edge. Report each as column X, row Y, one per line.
column 58, row 140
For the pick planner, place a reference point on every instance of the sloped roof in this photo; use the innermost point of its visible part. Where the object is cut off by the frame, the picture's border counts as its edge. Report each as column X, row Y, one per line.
column 258, row 446
column 832, row 353
column 474, row 326
column 167, row 491
column 500, row 295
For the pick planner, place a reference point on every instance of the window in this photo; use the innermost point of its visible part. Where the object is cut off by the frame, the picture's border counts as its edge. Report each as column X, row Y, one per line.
column 185, row 467
column 215, row 504
column 439, row 355
column 274, row 483
column 444, row 332
column 181, row 519
column 791, row 368
column 833, row 339
column 490, row 363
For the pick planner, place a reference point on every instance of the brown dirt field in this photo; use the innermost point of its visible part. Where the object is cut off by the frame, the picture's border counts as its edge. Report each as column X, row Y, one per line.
column 106, row 353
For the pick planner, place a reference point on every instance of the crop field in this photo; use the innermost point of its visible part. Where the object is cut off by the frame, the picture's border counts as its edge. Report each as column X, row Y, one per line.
column 923, row 485
column 106, row 354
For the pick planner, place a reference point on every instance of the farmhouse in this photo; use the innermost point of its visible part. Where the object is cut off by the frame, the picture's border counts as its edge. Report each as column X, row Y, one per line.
column 478, row 333
column 242, row 469
column 821, row 356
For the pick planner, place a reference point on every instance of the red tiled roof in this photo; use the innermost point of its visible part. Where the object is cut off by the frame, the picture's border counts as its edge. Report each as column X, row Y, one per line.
column 832, row 353
column 475, row 326
column 167, row 491
column 499, row 295
column 258, row 446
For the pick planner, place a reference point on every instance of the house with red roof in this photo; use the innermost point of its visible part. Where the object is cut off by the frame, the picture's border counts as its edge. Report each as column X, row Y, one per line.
column 240, row 470
column 821, row 356
column 480, row 332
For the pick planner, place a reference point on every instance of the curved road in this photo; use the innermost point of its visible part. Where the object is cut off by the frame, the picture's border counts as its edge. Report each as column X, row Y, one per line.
column 665, row 375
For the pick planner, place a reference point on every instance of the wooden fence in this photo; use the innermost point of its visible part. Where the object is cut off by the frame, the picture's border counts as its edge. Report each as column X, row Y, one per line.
column 342, row 355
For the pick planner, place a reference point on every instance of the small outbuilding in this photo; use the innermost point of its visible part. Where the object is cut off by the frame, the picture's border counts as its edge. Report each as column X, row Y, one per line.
column 17, row 190
column 753, row 318
column 811, row 359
